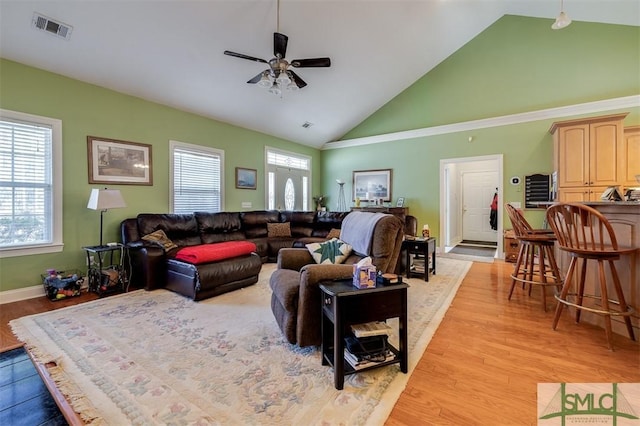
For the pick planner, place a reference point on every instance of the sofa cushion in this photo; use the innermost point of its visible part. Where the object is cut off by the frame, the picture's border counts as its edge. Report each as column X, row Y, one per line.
column 254, row 224
column 182, row 229
column 207, row 253
column 160, row 238
column 278, row 229
column 219, row 227
column 333, row 251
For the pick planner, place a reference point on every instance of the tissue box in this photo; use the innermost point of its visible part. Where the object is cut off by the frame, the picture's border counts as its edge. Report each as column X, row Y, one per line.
column 364, row 276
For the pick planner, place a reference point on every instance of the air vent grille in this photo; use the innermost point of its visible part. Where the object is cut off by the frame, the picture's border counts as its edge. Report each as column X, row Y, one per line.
column 51, row 26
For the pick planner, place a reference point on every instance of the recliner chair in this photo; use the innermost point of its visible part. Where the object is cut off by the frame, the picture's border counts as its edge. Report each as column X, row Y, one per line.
column 295, row 301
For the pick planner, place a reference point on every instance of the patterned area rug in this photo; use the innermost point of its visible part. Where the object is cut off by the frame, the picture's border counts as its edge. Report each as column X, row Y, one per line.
column 158, row 358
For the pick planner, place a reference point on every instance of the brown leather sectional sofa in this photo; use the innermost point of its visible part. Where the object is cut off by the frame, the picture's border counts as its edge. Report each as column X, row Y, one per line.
column 152, row 267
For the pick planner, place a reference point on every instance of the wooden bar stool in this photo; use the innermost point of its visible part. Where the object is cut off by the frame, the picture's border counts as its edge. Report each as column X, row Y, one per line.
column 534, row 243
column 586, row 234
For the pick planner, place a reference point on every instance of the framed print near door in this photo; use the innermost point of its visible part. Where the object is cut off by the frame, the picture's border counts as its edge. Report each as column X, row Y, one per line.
column 119, row 162
column 371, row 185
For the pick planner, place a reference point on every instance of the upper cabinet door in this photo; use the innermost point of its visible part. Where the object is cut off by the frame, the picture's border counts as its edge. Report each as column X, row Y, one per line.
column 629, row 164
column 573, row 156
column 604, row 142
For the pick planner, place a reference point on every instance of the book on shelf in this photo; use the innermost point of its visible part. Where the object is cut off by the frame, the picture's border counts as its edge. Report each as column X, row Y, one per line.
column 374, row 328
column 359, row 363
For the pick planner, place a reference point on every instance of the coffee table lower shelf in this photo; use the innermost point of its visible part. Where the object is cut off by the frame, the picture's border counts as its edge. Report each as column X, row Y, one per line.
column 350, row 369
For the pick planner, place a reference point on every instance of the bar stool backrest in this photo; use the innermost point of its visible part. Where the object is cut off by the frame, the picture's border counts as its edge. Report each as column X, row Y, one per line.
column 521, row 227
column 578, row 227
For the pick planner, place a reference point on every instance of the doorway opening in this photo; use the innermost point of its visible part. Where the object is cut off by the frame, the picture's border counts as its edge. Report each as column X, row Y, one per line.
column 467, row 189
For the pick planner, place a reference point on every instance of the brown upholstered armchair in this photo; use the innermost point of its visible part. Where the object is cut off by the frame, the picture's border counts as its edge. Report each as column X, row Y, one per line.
column 295, row 300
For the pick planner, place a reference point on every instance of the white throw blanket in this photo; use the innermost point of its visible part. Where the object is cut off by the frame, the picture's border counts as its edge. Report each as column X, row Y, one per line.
column 357, row 230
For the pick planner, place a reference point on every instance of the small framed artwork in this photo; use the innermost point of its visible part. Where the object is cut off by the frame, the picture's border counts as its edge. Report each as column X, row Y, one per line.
column 371, row 185
column 400, row 202
column 246, row 178
column 119, row 162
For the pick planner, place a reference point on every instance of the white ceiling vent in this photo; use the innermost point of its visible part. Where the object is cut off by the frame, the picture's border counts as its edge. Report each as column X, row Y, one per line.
column 56, row 28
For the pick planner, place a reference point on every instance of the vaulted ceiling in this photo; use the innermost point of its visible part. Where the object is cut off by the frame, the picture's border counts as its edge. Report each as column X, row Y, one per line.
column 171, row 52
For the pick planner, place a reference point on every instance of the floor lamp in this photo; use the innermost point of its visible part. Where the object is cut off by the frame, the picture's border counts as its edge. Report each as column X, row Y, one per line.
column 103, row 200
column 342, row 204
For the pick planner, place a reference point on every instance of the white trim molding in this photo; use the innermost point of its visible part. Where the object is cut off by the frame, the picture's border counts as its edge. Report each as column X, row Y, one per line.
column 505, row 120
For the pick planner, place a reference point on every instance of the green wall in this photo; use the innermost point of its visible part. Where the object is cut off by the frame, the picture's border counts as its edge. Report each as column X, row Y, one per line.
column 517, row 65
column 91, row 110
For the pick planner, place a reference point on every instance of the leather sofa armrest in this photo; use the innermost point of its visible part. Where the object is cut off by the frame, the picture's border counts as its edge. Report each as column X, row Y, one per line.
column 294, row 258
column 308, row 320
column 148, row 266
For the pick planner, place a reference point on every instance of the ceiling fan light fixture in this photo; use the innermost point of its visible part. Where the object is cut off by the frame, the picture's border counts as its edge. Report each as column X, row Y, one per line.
column 292, row 87
column 283, row 79
column 265, row 80
column 562, row 21
column 275, row 89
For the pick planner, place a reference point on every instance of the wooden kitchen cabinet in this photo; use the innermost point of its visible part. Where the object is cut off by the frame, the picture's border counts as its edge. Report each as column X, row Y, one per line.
column 588, row 156
column 582, row 194
column 630, row 156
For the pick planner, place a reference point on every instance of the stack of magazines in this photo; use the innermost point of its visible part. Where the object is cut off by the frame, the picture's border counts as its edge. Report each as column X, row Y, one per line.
column 368, row 345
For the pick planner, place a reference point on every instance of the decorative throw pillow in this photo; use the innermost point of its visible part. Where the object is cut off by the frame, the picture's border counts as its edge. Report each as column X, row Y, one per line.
column 279, row 229
column 333, row 251
column 160, row 238
column 334, row 233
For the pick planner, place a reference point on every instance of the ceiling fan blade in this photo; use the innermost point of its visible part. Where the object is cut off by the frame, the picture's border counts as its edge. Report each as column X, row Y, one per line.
column 313, row 62
column 280, row 45
column 297, row 80
column 256, row 79
column 241, row 56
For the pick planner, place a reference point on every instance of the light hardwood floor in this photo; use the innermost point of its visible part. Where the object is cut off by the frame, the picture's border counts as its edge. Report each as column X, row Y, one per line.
column 484, row 362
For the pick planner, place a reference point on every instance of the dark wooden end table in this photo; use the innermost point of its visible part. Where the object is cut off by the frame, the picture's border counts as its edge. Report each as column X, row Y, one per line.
column 423, row 247
column 344, row 305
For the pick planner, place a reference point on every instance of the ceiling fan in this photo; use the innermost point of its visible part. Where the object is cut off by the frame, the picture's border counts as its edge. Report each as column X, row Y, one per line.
column 279, row 75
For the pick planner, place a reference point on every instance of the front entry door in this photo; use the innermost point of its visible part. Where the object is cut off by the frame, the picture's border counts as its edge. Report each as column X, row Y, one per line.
column 478, row 189
column 289, row 194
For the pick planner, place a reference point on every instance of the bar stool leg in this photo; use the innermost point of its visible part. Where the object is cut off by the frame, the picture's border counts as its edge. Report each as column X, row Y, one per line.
column 516, row 269
column 565, row 290
column 554, row 268
column 604, row 298
column 621, row 300
column 580, row 295
column 543, row 277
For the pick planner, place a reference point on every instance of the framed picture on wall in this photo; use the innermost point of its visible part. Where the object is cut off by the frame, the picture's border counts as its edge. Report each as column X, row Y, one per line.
column 119, row 162
column 369, row 185
column 246, row 178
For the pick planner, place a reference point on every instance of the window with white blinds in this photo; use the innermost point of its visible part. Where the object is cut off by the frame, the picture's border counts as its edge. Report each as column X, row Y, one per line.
column 30, row 184
column 197, row 178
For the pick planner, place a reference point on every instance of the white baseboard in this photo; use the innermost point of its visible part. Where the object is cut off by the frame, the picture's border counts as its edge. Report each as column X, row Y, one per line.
column 26, row 293
column 21, row 294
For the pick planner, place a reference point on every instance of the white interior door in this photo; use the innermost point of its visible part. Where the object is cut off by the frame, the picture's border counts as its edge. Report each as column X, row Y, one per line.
column 478, row 189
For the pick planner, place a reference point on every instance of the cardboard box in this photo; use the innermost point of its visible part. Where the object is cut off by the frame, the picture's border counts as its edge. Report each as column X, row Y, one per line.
column 364, row 276
column 511, row 246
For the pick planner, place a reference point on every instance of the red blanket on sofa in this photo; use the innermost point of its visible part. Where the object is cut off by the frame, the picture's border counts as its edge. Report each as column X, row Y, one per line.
column 207, row 253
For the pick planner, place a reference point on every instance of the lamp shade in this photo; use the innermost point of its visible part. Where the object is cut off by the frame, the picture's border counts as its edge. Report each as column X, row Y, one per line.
column 104, row 199
column 562, row 21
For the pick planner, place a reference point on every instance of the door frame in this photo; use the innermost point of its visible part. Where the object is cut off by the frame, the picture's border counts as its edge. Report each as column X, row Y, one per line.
column 445, row 198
